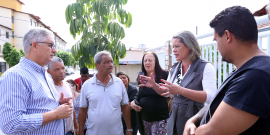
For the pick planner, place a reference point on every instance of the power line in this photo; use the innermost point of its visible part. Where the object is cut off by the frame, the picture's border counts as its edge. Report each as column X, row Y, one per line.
column 15, row 19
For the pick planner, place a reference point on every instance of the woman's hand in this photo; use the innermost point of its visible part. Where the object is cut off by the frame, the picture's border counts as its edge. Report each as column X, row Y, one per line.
column 135, row 107
column 147, row 81
column 170, row 87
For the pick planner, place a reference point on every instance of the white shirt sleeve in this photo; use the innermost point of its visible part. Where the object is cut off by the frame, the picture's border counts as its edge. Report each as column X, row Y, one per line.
column 209, row 82
column 83, row 99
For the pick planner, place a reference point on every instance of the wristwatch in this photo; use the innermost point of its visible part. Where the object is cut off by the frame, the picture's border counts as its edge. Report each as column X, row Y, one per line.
column 130, row 130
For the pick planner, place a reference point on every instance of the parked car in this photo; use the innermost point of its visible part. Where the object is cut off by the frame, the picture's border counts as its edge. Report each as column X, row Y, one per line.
column 69, row 71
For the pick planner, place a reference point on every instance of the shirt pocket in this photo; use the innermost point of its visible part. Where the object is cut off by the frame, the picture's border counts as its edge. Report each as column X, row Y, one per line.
column 115, row 100
column 93, row 102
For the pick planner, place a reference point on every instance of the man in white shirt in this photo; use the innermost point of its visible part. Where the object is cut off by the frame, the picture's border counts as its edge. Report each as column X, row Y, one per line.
column 56, row 69
column 103, row 97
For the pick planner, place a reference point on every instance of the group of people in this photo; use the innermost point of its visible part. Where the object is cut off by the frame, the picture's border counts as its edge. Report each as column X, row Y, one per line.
column 184, row 100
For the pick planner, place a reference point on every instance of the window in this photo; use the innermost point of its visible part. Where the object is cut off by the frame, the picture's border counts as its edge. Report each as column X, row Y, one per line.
column 35, row 24
column 7, row 35
column 2, row 67
column 12, row 19
column 12, row 34
column 0, row 49
column 30, row 22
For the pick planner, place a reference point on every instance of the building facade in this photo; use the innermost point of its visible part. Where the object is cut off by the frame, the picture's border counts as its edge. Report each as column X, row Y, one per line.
column 14, row 24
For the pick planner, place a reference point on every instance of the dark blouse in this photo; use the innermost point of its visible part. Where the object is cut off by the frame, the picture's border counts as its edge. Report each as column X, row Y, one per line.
column 131, row 91
column 154, row 106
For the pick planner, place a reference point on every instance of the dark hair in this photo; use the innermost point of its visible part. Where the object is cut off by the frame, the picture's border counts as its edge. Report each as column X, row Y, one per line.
column 84, row 70
column 73, row 82
column 123, row 73
column 158, row 70
column 237, row 20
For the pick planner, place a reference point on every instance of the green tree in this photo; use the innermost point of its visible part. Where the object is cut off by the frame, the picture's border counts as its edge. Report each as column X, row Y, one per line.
column 22, row 53
column 14, row 57
column 64, row 56
column 6, row 50
column 100, row 22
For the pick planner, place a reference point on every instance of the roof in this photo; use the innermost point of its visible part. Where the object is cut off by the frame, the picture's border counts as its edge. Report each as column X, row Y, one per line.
column 37, row 18
column 124, row 62
column 21, row 2
column 5, row 27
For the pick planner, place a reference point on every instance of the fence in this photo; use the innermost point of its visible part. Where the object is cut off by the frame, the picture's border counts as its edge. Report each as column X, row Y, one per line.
column 211, row 54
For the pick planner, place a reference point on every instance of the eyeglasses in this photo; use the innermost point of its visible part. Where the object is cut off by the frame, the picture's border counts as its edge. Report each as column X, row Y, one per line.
column 51, row 44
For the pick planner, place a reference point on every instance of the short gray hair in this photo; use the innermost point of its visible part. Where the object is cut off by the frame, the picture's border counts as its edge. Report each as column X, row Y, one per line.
column 98, row 56
column 35, row 34
column 54, row 60
column 190, row 41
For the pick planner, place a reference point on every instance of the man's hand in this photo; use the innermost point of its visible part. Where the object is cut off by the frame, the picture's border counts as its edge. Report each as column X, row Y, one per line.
column 189, row 128
column 128, row 133
column 63, row 100
column 63, row 111
column 135, row 107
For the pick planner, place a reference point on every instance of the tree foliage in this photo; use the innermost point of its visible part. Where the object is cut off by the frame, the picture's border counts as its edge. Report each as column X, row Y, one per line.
column 6, row 50
column 101, row 24
column 11, row 55
column 14, row 57
column 22, row 53
column 64, row 56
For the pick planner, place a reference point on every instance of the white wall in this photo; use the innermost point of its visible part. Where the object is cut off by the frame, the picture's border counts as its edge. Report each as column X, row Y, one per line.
column 5, row 18
column 3, row 38
column 21, row 26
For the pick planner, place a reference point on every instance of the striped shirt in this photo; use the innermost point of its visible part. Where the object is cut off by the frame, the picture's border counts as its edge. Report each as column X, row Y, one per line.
column 26, row 91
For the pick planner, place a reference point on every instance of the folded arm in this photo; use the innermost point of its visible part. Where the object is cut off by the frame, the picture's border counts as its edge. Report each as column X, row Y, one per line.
column 227, row 120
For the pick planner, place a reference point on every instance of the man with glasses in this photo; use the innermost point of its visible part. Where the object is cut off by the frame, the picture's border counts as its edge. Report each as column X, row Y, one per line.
column 103, row 97
column 56, row 69
column 29, row 102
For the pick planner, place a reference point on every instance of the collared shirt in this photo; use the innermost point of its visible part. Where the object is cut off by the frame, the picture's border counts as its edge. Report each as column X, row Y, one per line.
column 26, row 92
column 104, row 105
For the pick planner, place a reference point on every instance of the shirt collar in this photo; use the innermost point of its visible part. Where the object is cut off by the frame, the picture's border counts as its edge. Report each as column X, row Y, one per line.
column 95, row 80
column 32, row 64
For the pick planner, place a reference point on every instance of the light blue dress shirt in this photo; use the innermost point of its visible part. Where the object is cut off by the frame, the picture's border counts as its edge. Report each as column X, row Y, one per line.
column 26, row 91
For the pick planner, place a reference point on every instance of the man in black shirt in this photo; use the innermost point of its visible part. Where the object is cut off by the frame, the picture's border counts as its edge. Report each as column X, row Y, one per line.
column 242, row 104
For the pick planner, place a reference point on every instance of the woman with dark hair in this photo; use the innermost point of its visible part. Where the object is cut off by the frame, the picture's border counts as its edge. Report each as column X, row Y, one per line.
column 131, row 91
column 192, row 81
column 153, row 107
column 76, row 106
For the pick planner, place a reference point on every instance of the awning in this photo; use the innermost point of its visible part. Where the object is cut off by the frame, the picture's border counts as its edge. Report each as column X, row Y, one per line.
column 124, row 62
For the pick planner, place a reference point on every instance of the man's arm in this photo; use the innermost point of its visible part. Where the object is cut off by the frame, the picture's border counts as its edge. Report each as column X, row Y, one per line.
column 76, row 126
column 227, row 120
column 194, row 121
column 61, row 112
column 126, row 114
column 14, row 94
column 82, row 119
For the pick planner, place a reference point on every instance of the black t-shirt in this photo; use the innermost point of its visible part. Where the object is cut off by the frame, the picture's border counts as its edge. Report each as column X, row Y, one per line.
column 154, row 106
column 131, row 91
column 248, row 89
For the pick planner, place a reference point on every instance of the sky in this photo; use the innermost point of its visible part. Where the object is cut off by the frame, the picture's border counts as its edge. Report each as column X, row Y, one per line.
column 154, row 21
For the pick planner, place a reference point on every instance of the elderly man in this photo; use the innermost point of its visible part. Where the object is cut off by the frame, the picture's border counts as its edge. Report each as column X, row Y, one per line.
column 29, row 102
column 103, row 97
column 242, row 104
column 56, row 69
